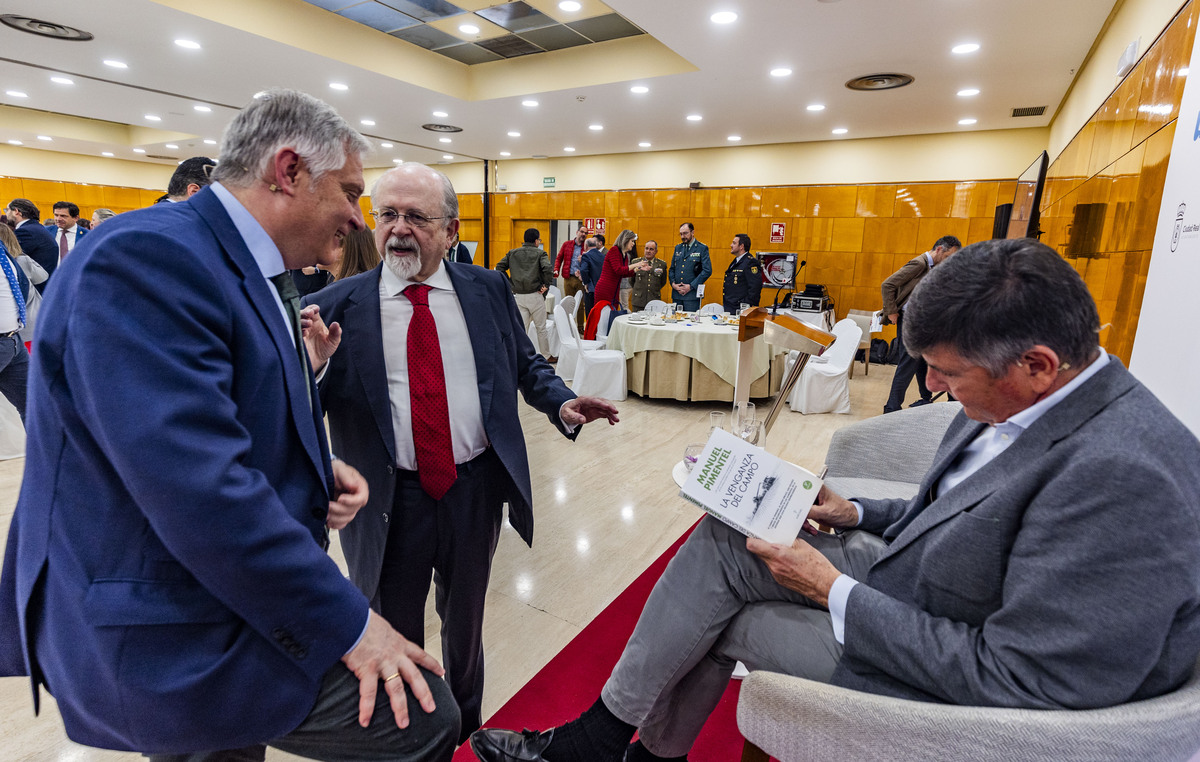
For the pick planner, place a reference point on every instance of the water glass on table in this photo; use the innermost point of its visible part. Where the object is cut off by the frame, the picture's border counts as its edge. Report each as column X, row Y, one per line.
column 716, row 420
column 691, row 454
column 742, row 412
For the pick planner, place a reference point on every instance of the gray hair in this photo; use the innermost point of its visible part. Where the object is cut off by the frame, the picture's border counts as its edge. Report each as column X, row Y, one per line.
column 104, row 214
column 994, row 300
column 279, row 118
column 625, row 237
column 449, row 197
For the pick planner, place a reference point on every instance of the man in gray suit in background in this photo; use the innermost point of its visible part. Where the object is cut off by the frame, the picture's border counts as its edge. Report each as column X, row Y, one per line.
column 1051, row 557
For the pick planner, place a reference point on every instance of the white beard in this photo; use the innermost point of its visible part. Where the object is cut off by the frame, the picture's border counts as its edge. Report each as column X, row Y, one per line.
column 406, row 266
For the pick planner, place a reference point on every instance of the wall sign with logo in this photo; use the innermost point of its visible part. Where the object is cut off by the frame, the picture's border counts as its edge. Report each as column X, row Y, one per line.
column 778, row 232
column 547, row 182
column 594, row 225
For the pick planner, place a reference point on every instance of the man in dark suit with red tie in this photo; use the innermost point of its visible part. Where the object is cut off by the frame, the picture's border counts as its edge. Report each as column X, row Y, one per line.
column 421, row 396
column 67, row 231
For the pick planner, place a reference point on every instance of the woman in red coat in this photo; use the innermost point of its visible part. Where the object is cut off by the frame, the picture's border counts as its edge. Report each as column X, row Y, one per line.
column 616, row 267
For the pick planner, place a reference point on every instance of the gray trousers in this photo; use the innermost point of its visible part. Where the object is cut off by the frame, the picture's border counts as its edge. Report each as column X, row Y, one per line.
column 331, row 730
column 533, row 307
column 717, row 604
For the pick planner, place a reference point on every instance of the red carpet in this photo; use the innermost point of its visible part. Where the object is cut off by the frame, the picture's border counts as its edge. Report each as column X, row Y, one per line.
column 572, row 680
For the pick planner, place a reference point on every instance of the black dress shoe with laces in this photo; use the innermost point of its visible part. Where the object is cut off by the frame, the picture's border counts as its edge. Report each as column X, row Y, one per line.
column 496, row 745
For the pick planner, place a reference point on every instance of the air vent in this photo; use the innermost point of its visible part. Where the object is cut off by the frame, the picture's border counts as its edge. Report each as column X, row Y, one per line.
column 45, row 28
column 1029, row 111
column 441, row 128
column 872, row 82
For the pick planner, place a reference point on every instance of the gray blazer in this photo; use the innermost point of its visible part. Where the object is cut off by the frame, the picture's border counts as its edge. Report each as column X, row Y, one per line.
column 1065, row 573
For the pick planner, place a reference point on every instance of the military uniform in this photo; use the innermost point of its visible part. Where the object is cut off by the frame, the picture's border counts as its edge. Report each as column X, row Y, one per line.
column 690, row 264
column 743, row 283
column 648, row 285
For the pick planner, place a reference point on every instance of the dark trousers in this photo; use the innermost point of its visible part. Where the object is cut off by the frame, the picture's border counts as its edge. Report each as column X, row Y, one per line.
column 906, row 368
column 452, row 540
column 14, row 372
column 331, row 730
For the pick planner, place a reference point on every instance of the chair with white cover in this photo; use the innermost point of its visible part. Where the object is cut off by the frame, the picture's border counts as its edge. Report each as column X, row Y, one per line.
column 596, row 372
column 824, row 386
column 569, row 343
column 556, row 292
column 865, row 319
column 655, row 307
column 712, row 308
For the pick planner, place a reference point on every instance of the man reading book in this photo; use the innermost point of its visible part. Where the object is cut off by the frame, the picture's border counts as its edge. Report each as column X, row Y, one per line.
column 1051, row 557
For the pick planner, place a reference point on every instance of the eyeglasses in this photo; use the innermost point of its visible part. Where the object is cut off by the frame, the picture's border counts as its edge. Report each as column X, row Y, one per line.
column 391, row 217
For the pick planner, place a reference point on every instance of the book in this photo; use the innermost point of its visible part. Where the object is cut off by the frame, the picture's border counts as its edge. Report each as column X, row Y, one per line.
column 751, row 490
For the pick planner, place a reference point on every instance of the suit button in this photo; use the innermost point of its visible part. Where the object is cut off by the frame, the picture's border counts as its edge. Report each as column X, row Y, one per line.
column 278, row 633
column 391, row 470
column 386, row 518
column 301, row 653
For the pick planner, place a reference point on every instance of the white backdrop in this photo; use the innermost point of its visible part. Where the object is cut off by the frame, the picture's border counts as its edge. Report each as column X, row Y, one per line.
column 1166, row 354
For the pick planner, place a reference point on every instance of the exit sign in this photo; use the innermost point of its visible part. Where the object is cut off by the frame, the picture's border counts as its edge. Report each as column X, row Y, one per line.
column 547, row 182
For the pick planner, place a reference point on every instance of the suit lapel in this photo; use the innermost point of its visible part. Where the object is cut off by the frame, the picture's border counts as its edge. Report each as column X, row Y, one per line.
column 364, row 336
column 478, row 312
column 259, row 293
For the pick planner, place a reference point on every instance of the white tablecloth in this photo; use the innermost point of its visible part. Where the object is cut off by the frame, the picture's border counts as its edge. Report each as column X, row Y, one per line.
column 714, row 346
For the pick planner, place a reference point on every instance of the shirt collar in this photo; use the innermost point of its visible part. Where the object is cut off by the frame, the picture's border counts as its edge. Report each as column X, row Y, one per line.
column 929, row 260
column 394, row 285
column 262, row 248
column 1024, row 419
column 20, row 223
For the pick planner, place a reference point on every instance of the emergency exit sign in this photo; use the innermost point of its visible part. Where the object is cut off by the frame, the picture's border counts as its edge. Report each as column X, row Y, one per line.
column 547, row 182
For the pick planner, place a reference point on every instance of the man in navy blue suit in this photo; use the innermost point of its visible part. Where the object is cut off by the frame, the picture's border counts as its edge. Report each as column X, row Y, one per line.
column 165, row 576
column 35, row 240
column 381, row 419
column 66, row 228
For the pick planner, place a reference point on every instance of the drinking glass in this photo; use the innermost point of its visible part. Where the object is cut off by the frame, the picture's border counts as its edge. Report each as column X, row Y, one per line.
column 742, row 307
column 751, row 431
column 716, row 420
column 743, row 412
column 691, row 454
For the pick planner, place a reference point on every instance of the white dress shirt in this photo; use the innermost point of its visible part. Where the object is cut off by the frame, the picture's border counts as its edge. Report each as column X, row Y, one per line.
column 983, row 449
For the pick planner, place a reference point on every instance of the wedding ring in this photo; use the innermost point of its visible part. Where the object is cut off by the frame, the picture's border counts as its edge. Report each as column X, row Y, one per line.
column 391, row 677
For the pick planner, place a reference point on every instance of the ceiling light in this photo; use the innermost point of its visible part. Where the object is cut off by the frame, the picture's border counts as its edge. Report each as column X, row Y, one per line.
column 209, row 142
column 444, row 140
column 172, row 146
column 570, row 6
column 967, row 121
column 202, row 109
column 116, row 64
column 15, row 143
column 840, row 131
column 734, row 138
column 569, row 149
column 595, row 127
column 529, row 103
column 694, row 117
column 338, row 86
column 189, row 44
column 367, row 122
column 816, row 107
column 263, row 94
column 505, row 153
column 106, row 153
column 782, row 71
column 139, row 150
column 639, row 89
column 514, row 134
column 153, row 118
column 398, row 161
column 723, row 17
column 447, row 156
column 468, row 29
column 47, row 138
column 16, row 94
column 966, row 47
column 970, row 91
column 440, row 114
column 644, row 144
column 385, row 145
column 62, row 81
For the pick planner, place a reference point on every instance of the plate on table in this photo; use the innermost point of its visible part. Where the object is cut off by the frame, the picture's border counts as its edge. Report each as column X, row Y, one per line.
column 636, row 321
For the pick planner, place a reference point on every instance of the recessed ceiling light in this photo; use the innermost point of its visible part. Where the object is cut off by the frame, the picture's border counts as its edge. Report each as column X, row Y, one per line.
column 595, row 127
column 782, row 71
column 16, row 94
column 514, row 134
column 967, row 121
column 189, row 44
column 209, row 142
column 15, row 143
column 172, row 146
column 385, row 145
column 62, row 80
column 106, row 153
column 569, row 149
column 398, row 161
column 338, row 86
column 639, row 89
column 840, row 131
column 644, row 144
column 966, row 47
column 263, row 94
column 115, row 64
column 468, row 29
column 202, row 109
column 46, row 138
column 529, row 103
column 505, row 153
column 570, row 6
column 723, row 17
column 734, row 138
column 440, row 114
column 444, row 140
column 970, row 91
column 694, row 117
column 153, row 117
column 447, row 156
column 367, row 122
column 816, row 107
column 139, row 150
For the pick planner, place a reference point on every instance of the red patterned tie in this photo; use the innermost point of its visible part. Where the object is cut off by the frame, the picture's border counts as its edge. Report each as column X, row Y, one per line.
column 62, row 244
column 427, row 394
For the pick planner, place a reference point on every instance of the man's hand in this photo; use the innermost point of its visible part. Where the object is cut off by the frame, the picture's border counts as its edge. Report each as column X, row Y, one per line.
column 833, row 510
column 587, row 409
column 684, row 288
column 543, row 289
column 384, row 654
column 892, row 318
column 800, row 567
column 320, row 340
column 349, row 495
column 577, row 275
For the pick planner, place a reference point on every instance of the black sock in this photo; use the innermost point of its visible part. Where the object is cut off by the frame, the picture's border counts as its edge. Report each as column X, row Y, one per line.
column 639, row 753
column 597, row 735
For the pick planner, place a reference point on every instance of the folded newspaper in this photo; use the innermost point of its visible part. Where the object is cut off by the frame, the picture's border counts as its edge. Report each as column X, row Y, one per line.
column 751, row 490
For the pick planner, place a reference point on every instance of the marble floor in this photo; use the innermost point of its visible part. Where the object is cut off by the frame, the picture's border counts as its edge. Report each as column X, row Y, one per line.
column 605, row 508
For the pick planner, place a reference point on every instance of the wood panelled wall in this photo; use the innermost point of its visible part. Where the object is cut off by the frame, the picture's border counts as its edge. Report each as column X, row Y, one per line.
column 46, row 193
column 853, row 236
column 1103, row 192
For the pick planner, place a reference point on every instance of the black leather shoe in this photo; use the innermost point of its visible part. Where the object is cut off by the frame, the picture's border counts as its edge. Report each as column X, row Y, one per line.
column 922, row 401
column 496, row 745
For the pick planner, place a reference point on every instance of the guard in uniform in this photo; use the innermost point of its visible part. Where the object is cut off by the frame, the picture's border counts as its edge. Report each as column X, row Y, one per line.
column 690, row 267
column 743, row 277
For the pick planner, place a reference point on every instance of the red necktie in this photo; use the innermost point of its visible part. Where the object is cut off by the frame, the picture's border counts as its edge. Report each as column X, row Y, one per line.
column 427, row 395
column 62, row 244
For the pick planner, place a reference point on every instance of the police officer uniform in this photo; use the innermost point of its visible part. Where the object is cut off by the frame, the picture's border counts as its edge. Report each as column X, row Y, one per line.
column 743, row 283
column 690, row 264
